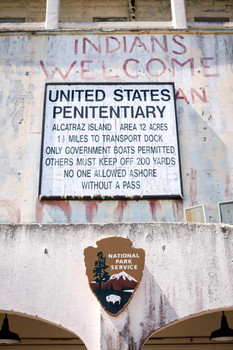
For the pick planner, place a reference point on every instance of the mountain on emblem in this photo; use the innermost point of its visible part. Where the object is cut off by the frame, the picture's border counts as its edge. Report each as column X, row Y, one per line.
column 106, row 271
column 121, row 281
column 118, row 282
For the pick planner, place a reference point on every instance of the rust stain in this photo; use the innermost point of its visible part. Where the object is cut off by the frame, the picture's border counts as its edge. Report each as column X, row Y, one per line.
column 12, row 210
column 228, row 191
column 155, row 206
column 193, row 187
column 162, row 312
column 91, row 210
column 119, row 211
column 63, row 205
column 177, row 208
column 199, row 294
column 39, row 211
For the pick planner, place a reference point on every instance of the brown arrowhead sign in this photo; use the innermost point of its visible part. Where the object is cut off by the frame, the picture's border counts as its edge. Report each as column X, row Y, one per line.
column 114, row 270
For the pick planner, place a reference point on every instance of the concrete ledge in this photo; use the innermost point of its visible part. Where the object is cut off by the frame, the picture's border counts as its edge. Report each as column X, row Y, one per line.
column 188, row 270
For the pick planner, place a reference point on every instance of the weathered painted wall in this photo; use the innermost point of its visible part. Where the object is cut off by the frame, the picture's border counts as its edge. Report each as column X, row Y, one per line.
column 45, row 277
column 200, row 65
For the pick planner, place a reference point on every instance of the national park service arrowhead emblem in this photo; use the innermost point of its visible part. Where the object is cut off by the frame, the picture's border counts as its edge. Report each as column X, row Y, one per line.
column 114, row 270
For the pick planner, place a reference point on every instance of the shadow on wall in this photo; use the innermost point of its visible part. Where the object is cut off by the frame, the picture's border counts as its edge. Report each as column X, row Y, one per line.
column 135, row 327
column 204, row 161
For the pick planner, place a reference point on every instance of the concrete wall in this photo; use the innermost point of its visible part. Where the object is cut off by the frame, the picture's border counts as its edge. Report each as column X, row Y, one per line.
column 188, row 270
column 32, row 11
column 147, row 10
column 153, row 10
column 53, row 285
column 207, row 8
column 200, row 65
column 84, row 11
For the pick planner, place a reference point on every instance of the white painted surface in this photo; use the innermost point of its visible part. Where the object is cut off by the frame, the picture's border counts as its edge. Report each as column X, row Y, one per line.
column 52, row 14
column 178, row 14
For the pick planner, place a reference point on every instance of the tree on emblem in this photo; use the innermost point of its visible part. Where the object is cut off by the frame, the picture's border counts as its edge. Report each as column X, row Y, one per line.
column 100, row 273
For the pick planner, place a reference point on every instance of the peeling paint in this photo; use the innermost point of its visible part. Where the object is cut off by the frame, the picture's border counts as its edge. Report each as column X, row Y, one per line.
column 199, row 294
column 119, row 211
column 177, row 208
column 228, row 190
column 193, row 187
column 13, row 211
column 162, row 312
column 91, row 210
column 63, row 205
column 155, row 207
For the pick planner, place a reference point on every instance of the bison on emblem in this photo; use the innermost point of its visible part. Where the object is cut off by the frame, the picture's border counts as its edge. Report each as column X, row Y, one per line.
column 114, row 270
column 112, row 298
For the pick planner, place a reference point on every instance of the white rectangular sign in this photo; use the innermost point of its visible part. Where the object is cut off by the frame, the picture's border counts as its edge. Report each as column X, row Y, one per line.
column 110, row 140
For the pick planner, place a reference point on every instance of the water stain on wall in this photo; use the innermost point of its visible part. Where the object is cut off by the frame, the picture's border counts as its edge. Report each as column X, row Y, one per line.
column 193, row 190
column 228, row 189
column 63, row 205
column 119, row 211
column 91, row 210
column 13, row 211
column 155, row 207
column 177, row 208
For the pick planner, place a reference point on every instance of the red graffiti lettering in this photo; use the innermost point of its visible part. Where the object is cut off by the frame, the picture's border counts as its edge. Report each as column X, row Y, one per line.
column 190, row 61
column 148, row 69
column 138, row 43
column 85, row 70
column 180, row 44
column 202, row 97
column 76, row 47
column 50, row 76
column 125, row 68
column 108, row 40
column 124, row 44
column 96, row 48
column 180, row 95
column 162, row 46
column 205, row 67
